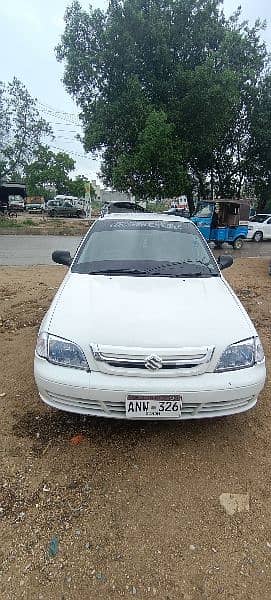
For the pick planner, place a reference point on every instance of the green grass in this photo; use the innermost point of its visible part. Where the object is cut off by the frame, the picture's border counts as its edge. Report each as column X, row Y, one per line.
column 28, row 222
column 11, row 223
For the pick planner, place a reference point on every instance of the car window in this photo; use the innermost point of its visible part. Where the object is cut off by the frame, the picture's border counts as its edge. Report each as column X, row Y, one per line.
column 269, row 221
column 68, row 205
column 258, row 218
column 204, row 210
column 162, row 248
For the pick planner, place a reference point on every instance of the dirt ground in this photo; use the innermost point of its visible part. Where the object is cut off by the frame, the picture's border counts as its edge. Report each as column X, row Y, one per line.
column 133, row 509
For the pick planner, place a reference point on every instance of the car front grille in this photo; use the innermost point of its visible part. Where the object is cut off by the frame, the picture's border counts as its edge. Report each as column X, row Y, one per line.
column 163, row 362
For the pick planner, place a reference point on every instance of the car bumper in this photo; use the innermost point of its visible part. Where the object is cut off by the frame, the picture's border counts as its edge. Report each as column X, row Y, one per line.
column 250, row 234
column 99, row 394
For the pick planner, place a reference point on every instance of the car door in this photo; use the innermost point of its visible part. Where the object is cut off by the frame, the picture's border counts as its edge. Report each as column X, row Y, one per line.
column 67, row 209
column 267, row 229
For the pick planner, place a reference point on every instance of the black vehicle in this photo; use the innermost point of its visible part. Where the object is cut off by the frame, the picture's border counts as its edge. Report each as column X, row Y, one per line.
column 121, row 206
column 64, row 209
column 179, row 212
column 34, row 208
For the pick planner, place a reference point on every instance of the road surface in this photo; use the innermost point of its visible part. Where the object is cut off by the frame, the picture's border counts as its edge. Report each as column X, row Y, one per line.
column 26, row 250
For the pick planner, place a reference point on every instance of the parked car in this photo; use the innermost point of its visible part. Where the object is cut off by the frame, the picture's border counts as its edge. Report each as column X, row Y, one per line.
column 34, row 208
column 259, row 228
column 64, row 209
column 16, row 205
column 120, row 207
column 144, row 326
column 178, row 212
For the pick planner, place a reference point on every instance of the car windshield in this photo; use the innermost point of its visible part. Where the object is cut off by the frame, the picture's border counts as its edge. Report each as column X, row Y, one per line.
column 145, row 248
column 124, row 207
column 204, row 209
column 259, row 218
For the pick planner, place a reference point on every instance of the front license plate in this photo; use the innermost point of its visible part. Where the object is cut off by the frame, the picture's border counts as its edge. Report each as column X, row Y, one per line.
column 165, row 407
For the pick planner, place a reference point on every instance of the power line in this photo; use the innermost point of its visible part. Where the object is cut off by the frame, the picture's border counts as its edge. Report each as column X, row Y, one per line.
column 85, row 157
column 69, row 118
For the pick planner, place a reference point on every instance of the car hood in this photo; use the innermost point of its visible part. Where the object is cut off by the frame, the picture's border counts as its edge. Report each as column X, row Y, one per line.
column 154, row 312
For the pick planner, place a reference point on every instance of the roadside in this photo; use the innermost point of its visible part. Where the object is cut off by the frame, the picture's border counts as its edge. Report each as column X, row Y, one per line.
column 127, row 509
column 26, row 224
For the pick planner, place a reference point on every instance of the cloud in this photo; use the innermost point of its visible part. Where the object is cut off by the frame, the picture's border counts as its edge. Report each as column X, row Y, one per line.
column 22, row 13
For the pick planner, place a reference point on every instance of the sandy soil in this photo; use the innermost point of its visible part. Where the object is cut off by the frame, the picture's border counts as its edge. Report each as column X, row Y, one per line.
column 133, row 509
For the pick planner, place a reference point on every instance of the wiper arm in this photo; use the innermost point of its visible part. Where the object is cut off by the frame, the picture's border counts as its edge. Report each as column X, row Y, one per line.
column 198, row 274
column 118, row 272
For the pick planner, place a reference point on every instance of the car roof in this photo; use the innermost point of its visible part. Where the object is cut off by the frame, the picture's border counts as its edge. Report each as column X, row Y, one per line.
column 145, row 217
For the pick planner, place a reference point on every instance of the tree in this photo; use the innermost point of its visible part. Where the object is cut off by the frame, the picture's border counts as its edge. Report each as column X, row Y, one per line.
column 166, row 90
column 147, row 171
column 48, row 170
column 77, row 187
column 21, row 129
column 259, row 153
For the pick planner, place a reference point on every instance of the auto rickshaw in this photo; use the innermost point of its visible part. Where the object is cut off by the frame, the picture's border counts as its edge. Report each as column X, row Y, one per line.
column 223, row 220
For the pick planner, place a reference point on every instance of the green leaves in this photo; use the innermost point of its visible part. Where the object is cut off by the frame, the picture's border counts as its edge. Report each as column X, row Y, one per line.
column 154, row 168
column 48, row 171
column 167, row 90
column 21, row 128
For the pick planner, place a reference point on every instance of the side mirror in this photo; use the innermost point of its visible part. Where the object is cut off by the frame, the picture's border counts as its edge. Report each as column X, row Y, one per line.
column 225, row 261
column 62, row 257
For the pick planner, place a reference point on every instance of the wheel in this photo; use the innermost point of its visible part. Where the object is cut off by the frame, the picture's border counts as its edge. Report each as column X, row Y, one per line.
column 258, row 237
column 52, row 213
column 238, row 243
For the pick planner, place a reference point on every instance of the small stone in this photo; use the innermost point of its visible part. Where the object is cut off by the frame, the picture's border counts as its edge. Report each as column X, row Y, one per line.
column 46, row 488
column 133, row 591
column 3, row 394
column 100, row 577
column 214, row 550
column 233, row 503
column 78, row 532
column 268, row 544
column 192, row 547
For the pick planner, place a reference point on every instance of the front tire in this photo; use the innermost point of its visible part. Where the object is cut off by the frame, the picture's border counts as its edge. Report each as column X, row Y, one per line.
column 258, row 237
column 238, row 243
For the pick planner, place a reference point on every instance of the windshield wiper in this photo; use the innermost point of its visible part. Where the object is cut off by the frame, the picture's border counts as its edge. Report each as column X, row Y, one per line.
column 152, row 273
column 118, row 272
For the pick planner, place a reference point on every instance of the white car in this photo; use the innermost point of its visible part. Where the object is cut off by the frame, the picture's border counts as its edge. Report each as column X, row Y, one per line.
column 259, row 228
column 145, row 327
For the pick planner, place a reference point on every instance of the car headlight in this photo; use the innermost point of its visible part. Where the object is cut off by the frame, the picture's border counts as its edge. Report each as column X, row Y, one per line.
column 241, row 355
column 61, row 352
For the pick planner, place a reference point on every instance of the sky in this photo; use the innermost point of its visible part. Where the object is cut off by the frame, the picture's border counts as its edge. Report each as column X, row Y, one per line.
column 30, row 30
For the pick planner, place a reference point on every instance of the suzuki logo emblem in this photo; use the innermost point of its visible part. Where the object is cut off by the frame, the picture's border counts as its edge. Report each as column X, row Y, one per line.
column 153, row 362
